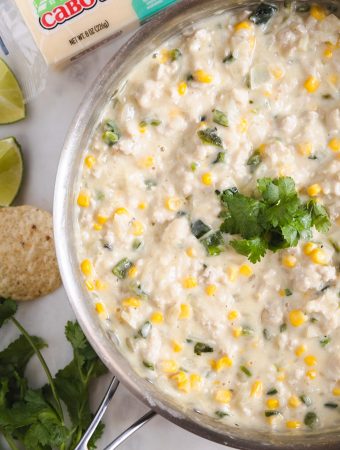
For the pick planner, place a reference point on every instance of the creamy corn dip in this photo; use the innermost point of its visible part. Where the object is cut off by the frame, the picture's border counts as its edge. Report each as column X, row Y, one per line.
column 236, row 98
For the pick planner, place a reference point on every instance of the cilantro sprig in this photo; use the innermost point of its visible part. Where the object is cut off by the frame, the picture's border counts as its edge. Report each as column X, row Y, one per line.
column 34, row 418
column 275, row 219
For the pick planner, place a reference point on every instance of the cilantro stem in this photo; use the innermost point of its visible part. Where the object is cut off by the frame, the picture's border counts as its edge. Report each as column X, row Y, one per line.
column 9, row 440
column 44, row 366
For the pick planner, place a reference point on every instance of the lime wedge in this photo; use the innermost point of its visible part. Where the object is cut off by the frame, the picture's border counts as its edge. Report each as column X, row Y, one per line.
column 11, row 168
column 12, row 106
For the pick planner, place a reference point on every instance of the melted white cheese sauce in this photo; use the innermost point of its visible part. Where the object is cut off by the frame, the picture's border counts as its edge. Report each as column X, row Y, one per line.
column 278, row 84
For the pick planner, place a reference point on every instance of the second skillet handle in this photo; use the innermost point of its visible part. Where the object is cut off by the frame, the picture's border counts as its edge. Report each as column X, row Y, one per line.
column 132, row 429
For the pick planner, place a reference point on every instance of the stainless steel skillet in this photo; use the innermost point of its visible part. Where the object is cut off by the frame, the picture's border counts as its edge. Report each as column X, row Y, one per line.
column 157, row 30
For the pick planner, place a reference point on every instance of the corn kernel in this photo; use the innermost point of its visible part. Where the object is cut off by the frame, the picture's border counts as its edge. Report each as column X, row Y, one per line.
column 293, row 424
column 314, row 190
column 309, row 247
column 318, row 256
column 312, row 84
column 262, row 149
column 169, row 366
column 132, row 272
column 179, row 376
column 297, row 317
column 221, row 363
column 89, row 285
column 189, row 282
column 277, row 73
column 336, row 391
column 121, row 211
column 245, row 270
column 210, row 290
column 90, row 161
column 317, row 12
column 233, row 315
column 232, row 273
column 245, row 25
column 97, row 227
column 102, row 219
column 176, row 347
column 142, row 205
column 273, row 403
column 100, row 308
column 282, row 293
column 100, row 286
column 311, row 374
column 147, row 162
column 164, row 56
column 131, row 302
column 256, row 389
column 195, row 380
column 223, row 396
column 157, row 318
column 305, row 149
column 300, row 350
column 142, row 128
column 294, row 401
column 86, row 267
column 243, row 126
column 207, row 179
column 328, row 53
column 83, row 200
column 184, row 311
column 184, row 386
column 137, row 228
column 190, row 252
column 237, row 331
column 281, row 377
column 334, row 144
column 289, row 261
column 310, row 360
column 202, row 76
column 202, row 124
column 173, row 203
column 271, row 420
column 182, row 88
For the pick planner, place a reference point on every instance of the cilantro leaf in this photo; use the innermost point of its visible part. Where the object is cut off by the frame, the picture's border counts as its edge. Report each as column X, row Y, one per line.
column 7, row 309
column 96, row 436
column 276, row 220
column 34, row 421
column 254, row 248
column 320, row 219
column 243, row 214
column 16, row 356
column 73, row 381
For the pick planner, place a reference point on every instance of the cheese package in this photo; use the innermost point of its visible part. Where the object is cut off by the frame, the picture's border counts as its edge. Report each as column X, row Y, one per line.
column 65, row 29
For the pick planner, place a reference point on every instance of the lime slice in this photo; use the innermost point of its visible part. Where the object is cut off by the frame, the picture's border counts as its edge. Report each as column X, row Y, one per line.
column 12, row 106
column 11, row 168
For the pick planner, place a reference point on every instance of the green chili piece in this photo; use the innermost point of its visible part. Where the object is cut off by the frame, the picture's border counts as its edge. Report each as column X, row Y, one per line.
column 246, row 371
column 121, row 268
column 311, row 420
column 220, row 118
column 200, row 348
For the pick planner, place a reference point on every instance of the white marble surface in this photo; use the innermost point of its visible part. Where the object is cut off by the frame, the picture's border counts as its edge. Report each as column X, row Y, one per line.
column 41, row 136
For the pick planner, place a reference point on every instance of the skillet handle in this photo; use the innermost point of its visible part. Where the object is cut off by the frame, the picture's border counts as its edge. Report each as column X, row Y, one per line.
column 132, row 429
column 99, row 414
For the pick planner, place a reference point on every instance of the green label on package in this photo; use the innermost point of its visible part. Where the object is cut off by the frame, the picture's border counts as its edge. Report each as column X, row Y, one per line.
column 145, row 8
